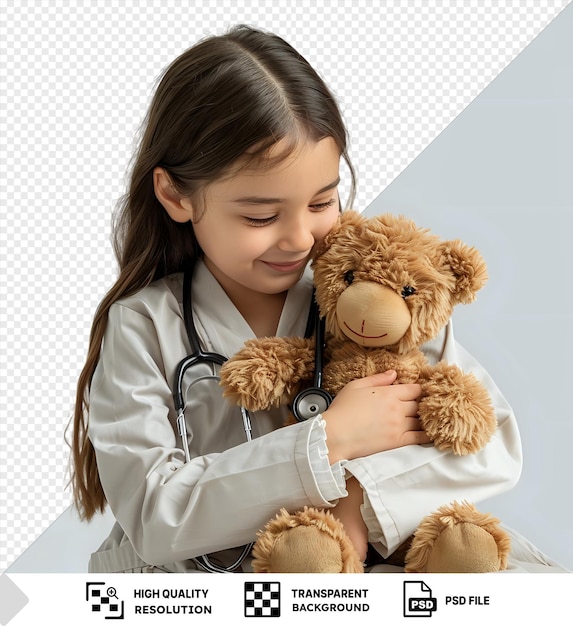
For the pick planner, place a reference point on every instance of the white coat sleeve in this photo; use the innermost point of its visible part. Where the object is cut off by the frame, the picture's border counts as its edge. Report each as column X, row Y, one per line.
column 404, row 485
column 171, row 510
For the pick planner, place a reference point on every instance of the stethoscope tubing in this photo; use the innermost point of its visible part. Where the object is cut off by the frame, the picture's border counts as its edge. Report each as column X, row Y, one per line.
column 320, row 399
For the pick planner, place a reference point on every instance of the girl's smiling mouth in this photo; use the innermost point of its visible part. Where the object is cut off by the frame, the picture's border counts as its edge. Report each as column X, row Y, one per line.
column 286, row 267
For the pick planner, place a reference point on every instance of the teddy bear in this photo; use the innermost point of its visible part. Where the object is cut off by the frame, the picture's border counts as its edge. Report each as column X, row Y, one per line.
column 384, row 286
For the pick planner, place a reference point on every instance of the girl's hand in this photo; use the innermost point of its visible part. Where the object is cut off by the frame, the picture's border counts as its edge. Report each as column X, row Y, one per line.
column 372, row 415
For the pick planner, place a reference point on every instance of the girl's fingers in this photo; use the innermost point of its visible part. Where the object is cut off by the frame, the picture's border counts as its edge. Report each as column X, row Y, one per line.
column 411, row 408
column 408, row 391
column 413, row 424
column 382, row 379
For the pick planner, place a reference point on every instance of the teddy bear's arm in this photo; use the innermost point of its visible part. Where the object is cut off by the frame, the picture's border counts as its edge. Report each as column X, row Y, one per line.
column 455, row 410
column 348, row 361
column 266, row 372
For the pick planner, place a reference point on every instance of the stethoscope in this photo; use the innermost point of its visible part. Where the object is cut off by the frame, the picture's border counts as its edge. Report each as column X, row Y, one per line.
column 307, row 404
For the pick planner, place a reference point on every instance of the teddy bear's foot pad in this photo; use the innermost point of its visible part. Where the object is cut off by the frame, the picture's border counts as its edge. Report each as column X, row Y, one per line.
column 306, row 549
column 463, row 548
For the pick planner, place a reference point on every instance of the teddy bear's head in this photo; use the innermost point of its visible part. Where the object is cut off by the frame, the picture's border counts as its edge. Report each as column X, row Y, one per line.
column 385, row 282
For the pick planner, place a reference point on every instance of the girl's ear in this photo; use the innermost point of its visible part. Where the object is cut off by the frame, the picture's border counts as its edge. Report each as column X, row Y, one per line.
column 178, row 208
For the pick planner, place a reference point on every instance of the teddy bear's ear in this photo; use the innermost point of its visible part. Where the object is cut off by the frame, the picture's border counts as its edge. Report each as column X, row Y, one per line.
column 468, row 268
column 347, row 221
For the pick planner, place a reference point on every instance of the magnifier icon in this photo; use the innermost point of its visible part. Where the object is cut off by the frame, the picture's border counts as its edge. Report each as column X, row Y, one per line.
column 112, row 593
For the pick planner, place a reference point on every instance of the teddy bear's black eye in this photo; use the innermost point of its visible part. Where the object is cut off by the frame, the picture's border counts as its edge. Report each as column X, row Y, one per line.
column 408, row 291
column 349, row 277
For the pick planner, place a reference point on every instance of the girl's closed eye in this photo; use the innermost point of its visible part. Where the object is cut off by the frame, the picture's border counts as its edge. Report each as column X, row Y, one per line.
column 320, row 206
column 259, row 221
column 265, row 221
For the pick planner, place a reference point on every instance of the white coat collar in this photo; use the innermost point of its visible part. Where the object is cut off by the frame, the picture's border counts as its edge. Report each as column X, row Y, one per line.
column 223, row 329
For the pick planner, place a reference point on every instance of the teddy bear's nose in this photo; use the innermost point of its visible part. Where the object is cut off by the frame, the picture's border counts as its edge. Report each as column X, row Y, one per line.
column 372, row 315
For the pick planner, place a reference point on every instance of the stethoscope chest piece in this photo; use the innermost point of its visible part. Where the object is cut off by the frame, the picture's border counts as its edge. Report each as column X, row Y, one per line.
column 310, row 402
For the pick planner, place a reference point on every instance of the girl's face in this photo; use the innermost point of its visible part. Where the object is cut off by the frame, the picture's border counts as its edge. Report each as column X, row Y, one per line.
column 260, row 226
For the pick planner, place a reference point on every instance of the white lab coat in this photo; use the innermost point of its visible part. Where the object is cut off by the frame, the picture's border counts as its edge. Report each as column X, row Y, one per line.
column 169, row 511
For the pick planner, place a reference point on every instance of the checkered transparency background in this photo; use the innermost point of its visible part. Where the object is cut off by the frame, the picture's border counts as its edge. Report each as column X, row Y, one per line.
column 76, row 80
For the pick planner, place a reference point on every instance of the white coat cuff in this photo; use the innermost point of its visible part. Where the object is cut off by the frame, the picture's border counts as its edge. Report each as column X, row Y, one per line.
column 330, row 479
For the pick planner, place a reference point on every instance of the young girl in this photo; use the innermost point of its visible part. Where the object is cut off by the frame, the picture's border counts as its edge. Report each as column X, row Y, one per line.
column 236, row 181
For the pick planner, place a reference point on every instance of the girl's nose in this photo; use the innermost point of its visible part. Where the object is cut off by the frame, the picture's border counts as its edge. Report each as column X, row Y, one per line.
column 296, row 236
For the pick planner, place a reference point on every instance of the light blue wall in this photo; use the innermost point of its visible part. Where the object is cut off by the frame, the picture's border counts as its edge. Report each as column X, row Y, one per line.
column 500, row 177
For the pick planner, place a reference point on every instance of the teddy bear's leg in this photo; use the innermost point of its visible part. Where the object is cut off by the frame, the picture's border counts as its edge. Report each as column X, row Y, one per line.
column 458, row 538
column 308, row 541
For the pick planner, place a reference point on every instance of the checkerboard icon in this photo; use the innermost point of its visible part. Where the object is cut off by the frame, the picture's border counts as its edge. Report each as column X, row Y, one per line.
column 262, row 599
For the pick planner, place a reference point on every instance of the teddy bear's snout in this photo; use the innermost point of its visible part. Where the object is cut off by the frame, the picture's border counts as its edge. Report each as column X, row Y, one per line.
column 372, row 315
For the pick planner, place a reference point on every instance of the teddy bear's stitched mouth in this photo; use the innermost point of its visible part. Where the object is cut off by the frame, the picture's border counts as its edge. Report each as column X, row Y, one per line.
column 364, row 336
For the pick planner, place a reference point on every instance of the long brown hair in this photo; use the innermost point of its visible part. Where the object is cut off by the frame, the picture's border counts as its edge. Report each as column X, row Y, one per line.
column 245, row 90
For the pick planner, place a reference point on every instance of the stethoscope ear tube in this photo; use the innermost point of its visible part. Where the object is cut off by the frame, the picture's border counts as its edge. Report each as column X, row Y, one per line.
column 179, row 401
column 199, row 356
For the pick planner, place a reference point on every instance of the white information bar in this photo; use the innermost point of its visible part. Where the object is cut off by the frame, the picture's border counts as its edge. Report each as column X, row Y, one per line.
column 334, row 599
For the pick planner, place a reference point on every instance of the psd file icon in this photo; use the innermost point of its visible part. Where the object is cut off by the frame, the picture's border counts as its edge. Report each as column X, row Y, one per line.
column 418, row 600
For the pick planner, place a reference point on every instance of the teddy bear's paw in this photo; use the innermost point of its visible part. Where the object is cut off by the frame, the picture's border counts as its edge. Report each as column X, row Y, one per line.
column 456, row 539
column 247, row 382
column 264, row 372
column 308, row 541
column 456, row 411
